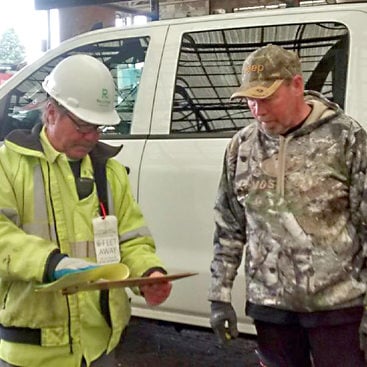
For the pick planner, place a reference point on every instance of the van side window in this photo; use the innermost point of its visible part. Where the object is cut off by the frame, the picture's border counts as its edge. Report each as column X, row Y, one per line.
column 125, row 59
column 210, row 62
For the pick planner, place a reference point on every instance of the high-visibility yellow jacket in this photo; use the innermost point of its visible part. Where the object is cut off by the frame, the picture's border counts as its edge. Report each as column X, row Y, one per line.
column 41, row 217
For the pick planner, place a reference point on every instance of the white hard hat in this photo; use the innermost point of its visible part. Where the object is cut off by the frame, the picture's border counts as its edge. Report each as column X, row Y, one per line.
column 84, row 86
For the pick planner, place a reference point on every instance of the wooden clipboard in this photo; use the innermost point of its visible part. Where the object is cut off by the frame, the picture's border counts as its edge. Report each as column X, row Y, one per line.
column 129, row 282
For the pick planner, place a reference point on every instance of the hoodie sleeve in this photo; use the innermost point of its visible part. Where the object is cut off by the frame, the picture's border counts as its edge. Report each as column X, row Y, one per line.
column 357, row 163
column 230, row 229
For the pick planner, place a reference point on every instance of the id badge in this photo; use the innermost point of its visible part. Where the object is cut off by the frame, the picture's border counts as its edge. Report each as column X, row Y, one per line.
column 106, row 242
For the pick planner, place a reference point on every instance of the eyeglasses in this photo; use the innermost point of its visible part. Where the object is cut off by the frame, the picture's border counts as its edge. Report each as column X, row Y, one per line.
column 84, row 128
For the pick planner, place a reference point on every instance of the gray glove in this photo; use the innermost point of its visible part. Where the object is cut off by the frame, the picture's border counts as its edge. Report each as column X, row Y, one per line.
column 69, row 265
column 223, row 321
column 363, row 334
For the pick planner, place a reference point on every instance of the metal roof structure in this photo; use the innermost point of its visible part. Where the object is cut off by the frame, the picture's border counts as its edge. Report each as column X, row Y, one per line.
column 150, row 8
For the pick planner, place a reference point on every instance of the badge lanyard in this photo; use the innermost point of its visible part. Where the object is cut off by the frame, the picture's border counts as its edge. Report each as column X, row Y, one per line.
column 106, row 242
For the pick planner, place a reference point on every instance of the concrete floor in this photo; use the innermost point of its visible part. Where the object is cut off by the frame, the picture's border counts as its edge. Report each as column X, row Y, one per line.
column 149, row 343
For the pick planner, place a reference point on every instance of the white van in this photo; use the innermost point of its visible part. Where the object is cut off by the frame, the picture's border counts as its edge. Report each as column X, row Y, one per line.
column 173, row 80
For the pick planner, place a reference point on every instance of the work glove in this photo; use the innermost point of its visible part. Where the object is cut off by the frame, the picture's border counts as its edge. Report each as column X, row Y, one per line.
column 223, row 321
column 69, row 265
column 363, row 334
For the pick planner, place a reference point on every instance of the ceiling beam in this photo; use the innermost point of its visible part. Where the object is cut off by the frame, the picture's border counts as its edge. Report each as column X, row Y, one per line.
column 132, row 11
column 52, row 4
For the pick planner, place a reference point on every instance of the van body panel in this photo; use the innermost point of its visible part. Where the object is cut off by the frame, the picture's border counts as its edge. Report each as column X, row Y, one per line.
column 178, row 183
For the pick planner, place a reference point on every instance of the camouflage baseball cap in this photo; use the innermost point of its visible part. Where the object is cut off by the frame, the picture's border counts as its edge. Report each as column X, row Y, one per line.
column 264, row 71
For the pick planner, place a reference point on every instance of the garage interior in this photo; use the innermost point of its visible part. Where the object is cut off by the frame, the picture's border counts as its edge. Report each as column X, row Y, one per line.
column 79, row 16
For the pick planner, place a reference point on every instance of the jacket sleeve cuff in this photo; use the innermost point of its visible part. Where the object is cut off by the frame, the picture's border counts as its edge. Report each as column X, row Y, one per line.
column 52, row 261
column 152, row 270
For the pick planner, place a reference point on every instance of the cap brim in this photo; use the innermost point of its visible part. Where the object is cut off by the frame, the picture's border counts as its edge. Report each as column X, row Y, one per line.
column 257, row 89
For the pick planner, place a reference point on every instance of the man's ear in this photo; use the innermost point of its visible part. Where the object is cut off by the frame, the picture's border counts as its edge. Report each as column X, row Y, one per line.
column 51, row 113
column 298, row 85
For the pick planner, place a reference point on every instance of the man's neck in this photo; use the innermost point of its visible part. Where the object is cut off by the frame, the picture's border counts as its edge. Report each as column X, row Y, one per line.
column 304, row 116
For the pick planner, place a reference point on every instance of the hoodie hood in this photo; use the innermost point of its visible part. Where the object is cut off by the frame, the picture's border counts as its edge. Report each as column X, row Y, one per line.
column 322, row 108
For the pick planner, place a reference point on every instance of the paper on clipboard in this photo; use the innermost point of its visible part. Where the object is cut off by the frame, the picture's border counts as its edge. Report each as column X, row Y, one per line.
column 129, row 282
column 109, row 272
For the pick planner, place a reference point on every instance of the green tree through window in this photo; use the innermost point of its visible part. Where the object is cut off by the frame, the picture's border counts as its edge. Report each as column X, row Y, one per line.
column 12, row 52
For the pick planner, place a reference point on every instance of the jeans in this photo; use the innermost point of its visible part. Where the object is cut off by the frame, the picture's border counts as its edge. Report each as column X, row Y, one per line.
column 298, row 346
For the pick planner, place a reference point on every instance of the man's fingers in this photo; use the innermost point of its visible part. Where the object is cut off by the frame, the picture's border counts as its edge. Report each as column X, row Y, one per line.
column 232, row 327
column 157, row 293
column 220, row 332
column 223, row 321
column 233, row 331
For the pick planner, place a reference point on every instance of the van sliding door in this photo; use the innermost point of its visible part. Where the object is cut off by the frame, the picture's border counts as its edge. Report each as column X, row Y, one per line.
column 193, row 121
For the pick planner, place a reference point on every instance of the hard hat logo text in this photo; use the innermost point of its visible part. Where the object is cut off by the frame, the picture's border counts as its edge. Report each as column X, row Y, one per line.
column 104, row 93
column 104, row 100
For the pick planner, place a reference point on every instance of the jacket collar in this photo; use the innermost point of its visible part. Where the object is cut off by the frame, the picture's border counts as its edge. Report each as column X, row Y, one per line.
column 30, row 139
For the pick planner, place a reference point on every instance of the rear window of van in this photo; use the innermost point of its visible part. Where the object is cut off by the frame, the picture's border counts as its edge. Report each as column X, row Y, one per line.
column 210, row 62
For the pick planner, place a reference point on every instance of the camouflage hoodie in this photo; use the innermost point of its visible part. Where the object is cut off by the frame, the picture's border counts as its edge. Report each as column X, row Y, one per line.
column 298, row 202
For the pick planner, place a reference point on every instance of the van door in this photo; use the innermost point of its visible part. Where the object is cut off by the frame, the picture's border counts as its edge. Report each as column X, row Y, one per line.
column 132, row 56
column 193, row 121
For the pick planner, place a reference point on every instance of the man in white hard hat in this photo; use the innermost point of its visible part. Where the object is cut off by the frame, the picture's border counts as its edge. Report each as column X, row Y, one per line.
column 60, row 188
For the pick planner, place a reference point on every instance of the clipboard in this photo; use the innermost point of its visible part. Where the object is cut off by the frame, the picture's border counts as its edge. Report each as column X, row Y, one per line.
column 104, row 277
column 129, row 282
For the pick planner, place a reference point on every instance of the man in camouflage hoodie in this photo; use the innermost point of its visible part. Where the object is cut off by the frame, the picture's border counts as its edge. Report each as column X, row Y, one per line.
column 293, row 191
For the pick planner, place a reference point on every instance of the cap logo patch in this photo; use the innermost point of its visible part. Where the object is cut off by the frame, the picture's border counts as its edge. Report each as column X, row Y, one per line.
column 255, row 68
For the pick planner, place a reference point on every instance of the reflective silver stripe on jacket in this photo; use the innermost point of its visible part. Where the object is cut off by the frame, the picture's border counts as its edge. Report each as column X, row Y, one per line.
column 86, row 248
column 11, row 214
column 41, row 226
column 139, row 232
column 83, row 249
column 111, row 207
